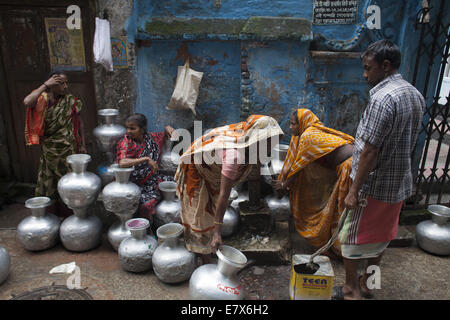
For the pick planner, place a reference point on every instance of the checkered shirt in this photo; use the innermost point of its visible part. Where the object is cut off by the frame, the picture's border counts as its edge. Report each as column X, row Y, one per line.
column 390, row 122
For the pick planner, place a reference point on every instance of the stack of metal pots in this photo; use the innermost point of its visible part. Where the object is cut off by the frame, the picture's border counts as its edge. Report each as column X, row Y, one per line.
column 107, row 136
column 278, row 204
column 79, row 189
column 39, row 231
column 121, row 197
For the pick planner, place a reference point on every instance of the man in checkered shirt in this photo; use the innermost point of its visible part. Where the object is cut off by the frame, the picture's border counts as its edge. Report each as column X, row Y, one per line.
column 381, row 173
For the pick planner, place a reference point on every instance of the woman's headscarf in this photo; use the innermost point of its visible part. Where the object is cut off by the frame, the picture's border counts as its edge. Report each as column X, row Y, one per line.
column 314, row 141
column 235, row 136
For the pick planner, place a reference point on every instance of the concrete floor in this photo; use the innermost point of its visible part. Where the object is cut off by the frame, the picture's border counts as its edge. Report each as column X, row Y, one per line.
column 406, row 273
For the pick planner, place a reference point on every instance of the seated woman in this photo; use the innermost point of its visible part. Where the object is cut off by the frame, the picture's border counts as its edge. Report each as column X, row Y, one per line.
column 316, row 172
column 142, row 150
column 204, row 186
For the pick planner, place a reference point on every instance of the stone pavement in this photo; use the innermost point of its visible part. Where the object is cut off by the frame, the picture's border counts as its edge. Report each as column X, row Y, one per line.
column 406, row 272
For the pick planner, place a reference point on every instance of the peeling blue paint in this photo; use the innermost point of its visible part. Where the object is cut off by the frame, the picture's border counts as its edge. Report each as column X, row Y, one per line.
column 283, row 74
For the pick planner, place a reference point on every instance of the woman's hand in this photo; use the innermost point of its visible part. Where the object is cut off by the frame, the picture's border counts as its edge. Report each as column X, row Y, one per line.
column 216, row 241
column 53, row 81
column 152, row 164
column 169, row 130
column 278, row 185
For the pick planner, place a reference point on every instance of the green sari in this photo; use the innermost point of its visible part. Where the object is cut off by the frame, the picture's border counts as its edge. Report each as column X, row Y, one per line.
column 61, row 139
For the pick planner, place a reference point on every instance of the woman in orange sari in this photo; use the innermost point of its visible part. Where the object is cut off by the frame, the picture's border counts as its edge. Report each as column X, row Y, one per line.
column 316, row 172
column 208, row 170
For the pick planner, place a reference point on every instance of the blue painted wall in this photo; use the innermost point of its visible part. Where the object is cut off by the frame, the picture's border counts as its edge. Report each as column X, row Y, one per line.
column 282, row 74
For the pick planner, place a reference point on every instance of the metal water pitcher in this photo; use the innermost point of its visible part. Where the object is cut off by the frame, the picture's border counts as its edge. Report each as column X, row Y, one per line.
column 219, row 281
column 231, row 217
column 434, row 235
column 136, row 252
column 172, row 262
column 39, row 231
column 168, row 210
column 5, row 264
column 106, row 136
column 279, row 206
column 169, row 159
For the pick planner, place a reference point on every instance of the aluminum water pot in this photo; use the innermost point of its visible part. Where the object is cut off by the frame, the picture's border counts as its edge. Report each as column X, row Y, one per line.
column 274, row 166
column 109, row 132
column 219, row 281
column 279, row 154
column 434, row 235
column 79, row 189
column 279, row 206
column 169, row 159
column 39, row 231
column 106, row 136
column 242, row 196
column 172, row 262
column 136, row 252
column 121, row 196
column 168, row 210
column 81, row 232
column 231, row 217
column 5, row 264
column 118, row 231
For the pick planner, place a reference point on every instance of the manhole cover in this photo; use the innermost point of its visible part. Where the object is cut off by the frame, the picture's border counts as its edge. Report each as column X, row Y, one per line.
column 54, row 293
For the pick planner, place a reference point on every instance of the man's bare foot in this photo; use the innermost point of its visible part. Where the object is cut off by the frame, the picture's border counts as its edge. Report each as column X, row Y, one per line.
column 345, row 293
column 365, row 291
column 350, row 294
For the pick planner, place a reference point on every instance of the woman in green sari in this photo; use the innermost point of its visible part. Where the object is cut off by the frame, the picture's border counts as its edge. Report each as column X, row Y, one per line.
column 53, row 121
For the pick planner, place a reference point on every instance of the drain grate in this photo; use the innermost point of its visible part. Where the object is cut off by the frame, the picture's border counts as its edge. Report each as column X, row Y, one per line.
column 54, row 292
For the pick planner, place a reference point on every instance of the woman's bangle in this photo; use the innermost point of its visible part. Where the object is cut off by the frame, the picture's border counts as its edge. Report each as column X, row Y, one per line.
column 46, row 86
column 218, row 223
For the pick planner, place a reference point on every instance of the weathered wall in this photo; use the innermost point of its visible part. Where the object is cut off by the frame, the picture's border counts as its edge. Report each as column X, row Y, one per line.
column 250, row 66
column 116, row 89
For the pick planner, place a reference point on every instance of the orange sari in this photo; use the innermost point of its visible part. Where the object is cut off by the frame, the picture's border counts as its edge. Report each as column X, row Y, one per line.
column 317, row 194
column 198, row 183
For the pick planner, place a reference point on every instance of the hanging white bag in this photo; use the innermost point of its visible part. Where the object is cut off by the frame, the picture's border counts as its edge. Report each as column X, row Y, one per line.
column 187, row 85
column 102, row 44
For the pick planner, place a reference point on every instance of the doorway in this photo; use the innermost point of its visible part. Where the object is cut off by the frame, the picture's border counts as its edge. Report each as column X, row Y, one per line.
column 27, row 56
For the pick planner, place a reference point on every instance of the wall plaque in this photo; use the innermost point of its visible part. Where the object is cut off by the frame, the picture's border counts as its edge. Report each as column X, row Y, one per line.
column 334, row 11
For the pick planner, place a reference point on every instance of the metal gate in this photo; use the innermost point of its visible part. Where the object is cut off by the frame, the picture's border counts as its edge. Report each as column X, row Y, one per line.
column 431, row 157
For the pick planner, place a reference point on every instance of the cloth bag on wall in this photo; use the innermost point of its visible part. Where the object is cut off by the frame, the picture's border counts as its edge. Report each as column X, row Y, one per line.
column 102, row 44
column 185, row 94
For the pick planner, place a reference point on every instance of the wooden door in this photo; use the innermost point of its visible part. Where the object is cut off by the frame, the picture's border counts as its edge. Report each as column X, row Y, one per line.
column 26, row 64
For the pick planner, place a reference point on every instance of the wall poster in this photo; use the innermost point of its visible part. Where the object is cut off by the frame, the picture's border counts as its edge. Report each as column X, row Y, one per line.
column 66, row 46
